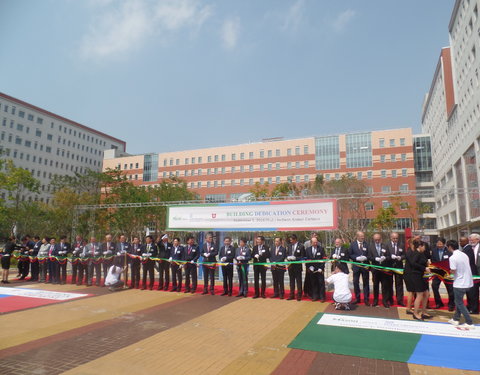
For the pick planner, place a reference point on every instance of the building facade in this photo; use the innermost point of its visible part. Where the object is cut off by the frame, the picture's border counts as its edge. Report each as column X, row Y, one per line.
column 451, row 115
column 48, row 144
column 383, row 159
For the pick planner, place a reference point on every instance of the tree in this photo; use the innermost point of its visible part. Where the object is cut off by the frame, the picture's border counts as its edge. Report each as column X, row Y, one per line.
column 260, row 191
column 385, row 219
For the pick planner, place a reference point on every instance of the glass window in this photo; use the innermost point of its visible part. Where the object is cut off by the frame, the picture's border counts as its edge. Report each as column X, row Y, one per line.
column 277, row 179
column 289, row 152
column 327, row 153
column 277, row 166
column 269, row 153
column 382, row 158
column 369, row 175
column 305, row 149
column 250, row 155
column 369, row 206
column 262, row 154
column 242, row 156
column 305, row 164
column 383, row 173
column 422, row 154
column 402, row 141
column 359, row 175
column 234, row 157
column 224, row 157
column 150, row 167
column 394, row 173
column 38, row 133
column 392, row 142
column 386, row 204
column 215, row 158
column 404, row 188
column 381, row 142
column 277, row 152
column 393, row 157
column 359, row 150
column 386, row 189
column 297, row 150
column 404, row 172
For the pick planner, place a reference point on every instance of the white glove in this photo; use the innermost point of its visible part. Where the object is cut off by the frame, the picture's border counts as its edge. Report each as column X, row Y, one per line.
column 311, row 268
column 192, row 261
column 105, row 252
column 378, row 259
column 223, row 259
column 205, row 255
column 97, row 252
column 257, row 256
column 382, row 258
column 170, row 259
column 145, row 254
column 240, row 257
column 359, row 259
column 364, row 258
column 291, row 258
column 320, row 271
column 335, row 256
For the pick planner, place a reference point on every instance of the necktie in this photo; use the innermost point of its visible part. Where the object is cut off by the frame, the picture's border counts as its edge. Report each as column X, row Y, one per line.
column 93, row 249
column 276, row 251
column 378, row 249
column 337, row 251
column 51, row 250
column 189, row 250
column 314, row 252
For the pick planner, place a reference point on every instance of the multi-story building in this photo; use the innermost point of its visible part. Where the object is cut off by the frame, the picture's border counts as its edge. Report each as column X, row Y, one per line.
column 383, row 159
column 451, row 115
column 47, row 144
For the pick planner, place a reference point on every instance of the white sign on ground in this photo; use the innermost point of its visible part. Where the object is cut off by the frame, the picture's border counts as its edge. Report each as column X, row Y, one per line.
column 44, row 294
column 398, row 325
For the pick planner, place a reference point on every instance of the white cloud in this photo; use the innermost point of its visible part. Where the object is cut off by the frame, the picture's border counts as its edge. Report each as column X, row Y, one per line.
column 294, row 15
column 230, row 32
column 342, row 20
column 123, row 25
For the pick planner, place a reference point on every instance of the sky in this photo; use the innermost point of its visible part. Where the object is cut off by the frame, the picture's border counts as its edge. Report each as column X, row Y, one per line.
column 168, row 75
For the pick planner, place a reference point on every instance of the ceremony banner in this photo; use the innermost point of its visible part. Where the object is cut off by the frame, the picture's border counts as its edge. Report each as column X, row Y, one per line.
column 318, row 214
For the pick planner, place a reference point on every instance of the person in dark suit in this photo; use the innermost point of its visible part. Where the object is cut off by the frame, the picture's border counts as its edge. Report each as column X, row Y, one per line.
column 24, row 261
column 34, row 267
column 108, row 250
column 122, row 248
column 278, row 254
column 8, row 250
column 149, row 250
column 295, row 252
column 53, row 266
column 92, row 251
column 358, row 253
column 192, row 253
column 226, row 255
column 164, row 252
column 260, row 254
column 340, row 254
column 468, row 246
column 397, row 253
column 136, row 252
column 177, row 253
column 243, row 254
column 65, row 249
column 439, row 254
column 209, row 253
column 316, row 252
column 77, row 249
column 378, row 255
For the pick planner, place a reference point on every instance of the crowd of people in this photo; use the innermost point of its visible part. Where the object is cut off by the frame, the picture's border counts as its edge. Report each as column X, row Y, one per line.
column 393, row 266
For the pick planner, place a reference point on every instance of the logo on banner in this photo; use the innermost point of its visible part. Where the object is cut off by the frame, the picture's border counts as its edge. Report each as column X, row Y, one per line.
column 214, row 216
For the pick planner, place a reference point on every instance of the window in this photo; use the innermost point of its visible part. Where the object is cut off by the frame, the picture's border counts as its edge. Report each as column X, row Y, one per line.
column 369, row 175
column 404, row 188
column 381, row 142
column 28, row 144
column 327, row 153
column 48, row 149
column 289, row 152
column 177, row 161
column 404, row 172
column 305, row 149
column 277, row 152
column 262, row 154
column 269, row 153
column 20, row 127
column 187, row 160
column 250, row 155
column 393, row 157
column 38, row 133
column 386, row 189
column 392, row 142
column 297, row 179
column 386, row 204
column 404, row 205
column 359, row 150
column 209, row 159
column 242, row 156
column 223, row 157
column 394, row 173
column 404, row 157
column 18, row 140
column 39, row 120
column 305, row 164
column 49, row 137
column 402, row 141
column 382, row 158
column 250, row 181
column 234, row 157
column 297, row 150
column 269, row 166
column 21, row 114
column 369, row 206
column 199, row 160
column 215, row 158
column 30, row 117
column 289, row 165
column 359, row 175
column 277, row 180
column 306, row 178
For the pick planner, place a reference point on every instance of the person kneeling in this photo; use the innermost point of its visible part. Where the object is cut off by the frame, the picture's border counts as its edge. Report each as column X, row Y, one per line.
column 342, row 294
column 112, row 281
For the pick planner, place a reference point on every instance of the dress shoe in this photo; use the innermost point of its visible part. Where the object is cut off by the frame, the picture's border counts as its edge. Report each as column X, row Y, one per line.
column 417, row 318
column 187, row 291
column 174, row 290
column 204, row 292
column 367, row 303
column 281, row 296
column 439, row 305
column 375, row 303
column 275, row 296
column 166, row 288
column 143, row 288
column 256, row 296
column 290, row 298
column 193, row 291
column 450, row 308
column 212, row 293
column 299, row 298
column 263, row 295
column 354, row 302
column 387, row 306
column 230, row 294
column 401, row 304
column 239, row 295
column 224, row 294
column 409, row 312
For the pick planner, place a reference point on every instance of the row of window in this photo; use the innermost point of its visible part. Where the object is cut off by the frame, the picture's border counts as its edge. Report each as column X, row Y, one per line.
column 393, row 158
column 38, row 159
column 392, row 142
column 39, row 120
column 241, row 156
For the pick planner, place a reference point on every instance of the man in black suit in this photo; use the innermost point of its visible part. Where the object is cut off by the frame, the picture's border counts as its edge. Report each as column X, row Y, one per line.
column 397, row 255
column 192, row 253
column 440, row 254
column 209, row 253
column 177, row 253
column 242, row 254
column 358, row 253
column 136, row 251
column 378, row 255
column 295, row 252
column 164, row 252
column 149, row 250
column 226, row 255
column 278, row 254
column 24, row 261
column 316, row 270
column 65, row 249
column 122, row 248
column 260, row 254
column 468, row 246
column 340, row 254
column 108, row 250
column 34, row 268
column 53, row 269
column 77, row 250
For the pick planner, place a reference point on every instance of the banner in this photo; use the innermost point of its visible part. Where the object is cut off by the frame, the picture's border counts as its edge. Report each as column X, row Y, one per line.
column 255, row 216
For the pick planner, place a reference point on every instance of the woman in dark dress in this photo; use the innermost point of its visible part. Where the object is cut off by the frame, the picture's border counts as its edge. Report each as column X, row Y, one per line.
column 415, row 266
column 6, row 255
